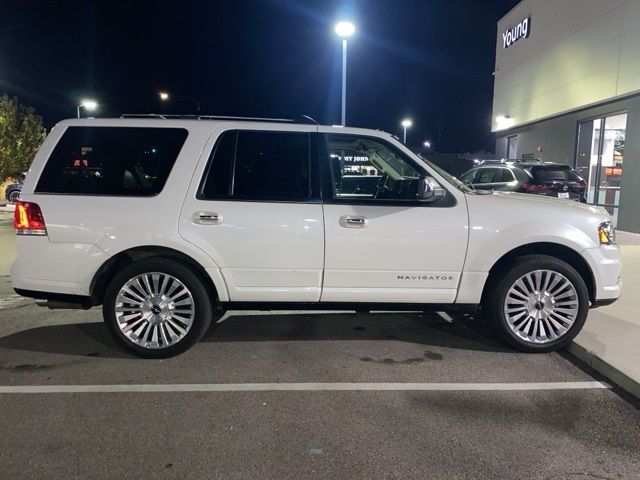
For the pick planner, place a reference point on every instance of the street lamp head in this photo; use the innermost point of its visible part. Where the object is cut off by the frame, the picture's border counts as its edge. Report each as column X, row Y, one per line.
column 406, row 123
column 89, row 104
column 427, row 144
column 164, row 96
column 345, row 29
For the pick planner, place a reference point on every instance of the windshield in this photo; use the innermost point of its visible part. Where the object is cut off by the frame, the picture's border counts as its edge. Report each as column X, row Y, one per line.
column 448, row 177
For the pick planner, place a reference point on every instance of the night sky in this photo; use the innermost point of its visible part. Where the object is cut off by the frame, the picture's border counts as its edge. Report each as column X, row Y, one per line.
column 431, row 60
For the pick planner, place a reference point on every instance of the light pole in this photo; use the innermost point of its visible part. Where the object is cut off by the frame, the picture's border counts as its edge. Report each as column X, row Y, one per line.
column 88, row 105
column 165, row 97
column 344, row 30
column 406, row 123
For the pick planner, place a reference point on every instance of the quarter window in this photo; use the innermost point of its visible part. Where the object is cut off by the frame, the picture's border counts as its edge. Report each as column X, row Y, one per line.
column 123, row 161
column 507, row 175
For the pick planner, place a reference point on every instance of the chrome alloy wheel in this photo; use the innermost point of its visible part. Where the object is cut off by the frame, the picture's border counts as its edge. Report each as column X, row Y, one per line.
column 541, row 306
column 154, row 310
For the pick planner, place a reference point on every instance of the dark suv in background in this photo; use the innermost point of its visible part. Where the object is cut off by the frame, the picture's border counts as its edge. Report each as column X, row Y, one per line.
column 540, row 178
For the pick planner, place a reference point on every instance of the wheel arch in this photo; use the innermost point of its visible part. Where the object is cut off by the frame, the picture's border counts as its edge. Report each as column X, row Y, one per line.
column 556, row 250
column 109, row 268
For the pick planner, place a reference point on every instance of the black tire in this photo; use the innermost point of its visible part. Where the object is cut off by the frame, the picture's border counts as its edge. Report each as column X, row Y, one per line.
column 13, row 196
column 203, row 306
column 498, row 289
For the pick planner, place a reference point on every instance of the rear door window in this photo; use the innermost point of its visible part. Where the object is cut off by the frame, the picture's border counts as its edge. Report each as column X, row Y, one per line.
column 488, row 175
column 272, row 165
column 218, row 176
column 121, row 161
column 259, row 165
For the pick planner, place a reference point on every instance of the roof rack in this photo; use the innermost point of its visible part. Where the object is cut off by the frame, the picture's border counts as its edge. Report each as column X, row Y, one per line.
column 304, row 119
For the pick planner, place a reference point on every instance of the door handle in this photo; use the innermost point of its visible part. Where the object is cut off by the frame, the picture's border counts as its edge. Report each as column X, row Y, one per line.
column 207, row 218
column 348, row 221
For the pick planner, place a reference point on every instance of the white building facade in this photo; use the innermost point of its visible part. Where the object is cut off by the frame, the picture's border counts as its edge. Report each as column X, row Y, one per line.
column 567, row 89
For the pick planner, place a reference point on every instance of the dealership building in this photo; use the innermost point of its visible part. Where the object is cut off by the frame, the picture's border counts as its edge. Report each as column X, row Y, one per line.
column 567, row 89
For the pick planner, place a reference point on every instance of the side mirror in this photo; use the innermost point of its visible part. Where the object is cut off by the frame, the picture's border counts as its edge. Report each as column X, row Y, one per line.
column 429, row 190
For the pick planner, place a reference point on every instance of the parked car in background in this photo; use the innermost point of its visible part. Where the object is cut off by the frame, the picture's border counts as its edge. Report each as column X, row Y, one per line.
column 547, row 179
column 12, row 192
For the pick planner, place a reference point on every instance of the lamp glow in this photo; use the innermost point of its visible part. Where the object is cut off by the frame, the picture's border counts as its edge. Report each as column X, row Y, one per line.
column 89, row 104
column 345, row 29
column 406, row 123
column 164, row 96
column 504, row 121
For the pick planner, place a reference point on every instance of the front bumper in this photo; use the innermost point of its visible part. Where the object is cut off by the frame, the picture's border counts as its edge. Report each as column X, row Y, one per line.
column 606, row 266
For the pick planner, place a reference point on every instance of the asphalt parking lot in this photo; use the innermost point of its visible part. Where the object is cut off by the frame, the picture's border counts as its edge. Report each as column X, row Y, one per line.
column 390, row 395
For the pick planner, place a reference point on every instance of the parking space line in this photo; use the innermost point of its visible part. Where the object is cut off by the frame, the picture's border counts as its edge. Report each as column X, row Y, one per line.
column 302, row 387
column 11, row 300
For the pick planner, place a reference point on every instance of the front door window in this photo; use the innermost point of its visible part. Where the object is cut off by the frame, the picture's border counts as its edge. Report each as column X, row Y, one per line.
column 365, row 168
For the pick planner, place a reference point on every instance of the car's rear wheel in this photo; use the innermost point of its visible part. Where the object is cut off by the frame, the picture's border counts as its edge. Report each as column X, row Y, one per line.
column 13, row 196
column 539, row 304
column 157, row 308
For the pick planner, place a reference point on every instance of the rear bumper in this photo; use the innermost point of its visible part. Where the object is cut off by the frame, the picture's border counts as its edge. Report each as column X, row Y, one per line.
column 59, row 268
column 603, row 303
column 606, row 266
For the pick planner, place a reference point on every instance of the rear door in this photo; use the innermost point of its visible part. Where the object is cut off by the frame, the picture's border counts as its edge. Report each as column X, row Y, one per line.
column 382, row 245
column 257, row 211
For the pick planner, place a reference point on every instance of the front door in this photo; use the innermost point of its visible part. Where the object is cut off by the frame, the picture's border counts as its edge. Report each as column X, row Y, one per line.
column 382, row 244
column 600, row 156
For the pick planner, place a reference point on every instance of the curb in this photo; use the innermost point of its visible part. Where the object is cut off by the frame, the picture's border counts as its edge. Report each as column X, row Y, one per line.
column 601, row 366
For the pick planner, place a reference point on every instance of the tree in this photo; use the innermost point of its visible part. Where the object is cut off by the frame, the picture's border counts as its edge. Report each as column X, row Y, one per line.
column 21, row 134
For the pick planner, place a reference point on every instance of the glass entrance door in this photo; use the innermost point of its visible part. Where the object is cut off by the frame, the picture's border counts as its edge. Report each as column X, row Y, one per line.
column 600, row 155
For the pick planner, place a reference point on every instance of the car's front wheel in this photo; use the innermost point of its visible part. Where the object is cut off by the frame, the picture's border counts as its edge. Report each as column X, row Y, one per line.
column 539, row 304
column 157, row 308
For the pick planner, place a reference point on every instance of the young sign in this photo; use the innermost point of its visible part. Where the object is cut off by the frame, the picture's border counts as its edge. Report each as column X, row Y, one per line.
column 522, row 30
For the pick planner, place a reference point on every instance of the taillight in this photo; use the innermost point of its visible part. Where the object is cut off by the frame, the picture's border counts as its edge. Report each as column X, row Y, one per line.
column 534, row 187
column 28, row 219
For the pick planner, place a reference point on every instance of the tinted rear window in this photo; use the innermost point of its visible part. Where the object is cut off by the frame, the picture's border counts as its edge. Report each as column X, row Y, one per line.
column 112, row 161
column 555, row 174
column 252, row 165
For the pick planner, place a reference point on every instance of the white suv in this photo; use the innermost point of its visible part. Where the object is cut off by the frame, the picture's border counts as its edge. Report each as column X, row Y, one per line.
column 168, row 222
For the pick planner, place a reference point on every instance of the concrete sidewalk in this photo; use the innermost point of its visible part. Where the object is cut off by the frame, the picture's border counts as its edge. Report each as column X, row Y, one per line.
column 7, row 242
column 5, row 207
column 610, row 340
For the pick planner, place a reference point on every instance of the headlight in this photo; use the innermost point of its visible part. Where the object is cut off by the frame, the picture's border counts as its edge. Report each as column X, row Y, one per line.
column 607, row 233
